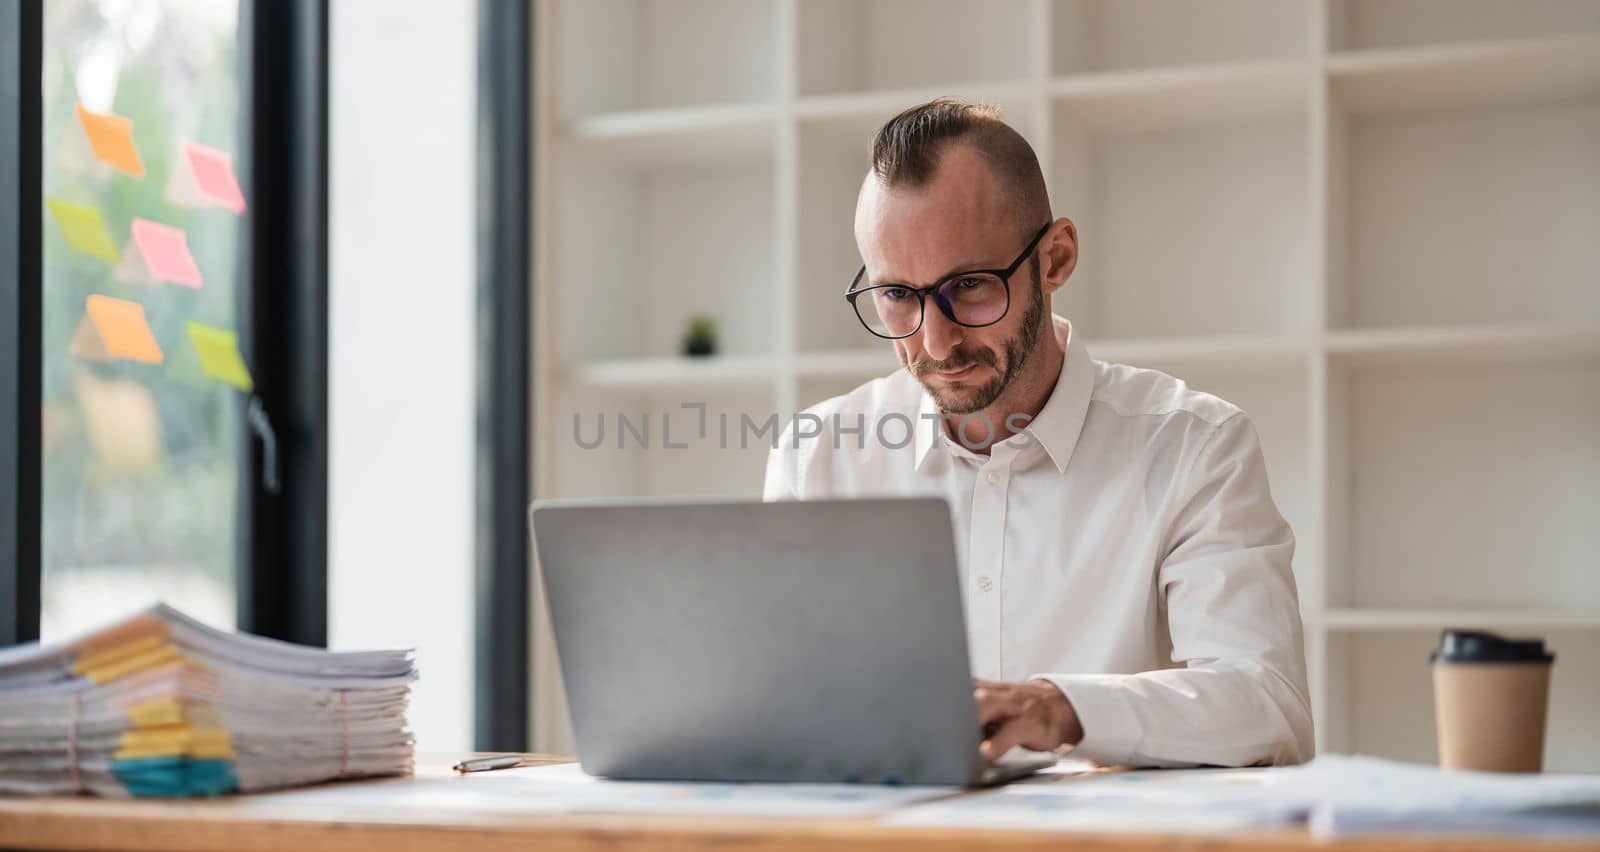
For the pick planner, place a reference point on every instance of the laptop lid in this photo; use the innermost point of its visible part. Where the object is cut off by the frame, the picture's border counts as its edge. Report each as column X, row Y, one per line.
column 742, row 641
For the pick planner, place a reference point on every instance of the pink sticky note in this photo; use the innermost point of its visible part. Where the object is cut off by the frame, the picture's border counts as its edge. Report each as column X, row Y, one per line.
column 213, row 176
column 165, row 252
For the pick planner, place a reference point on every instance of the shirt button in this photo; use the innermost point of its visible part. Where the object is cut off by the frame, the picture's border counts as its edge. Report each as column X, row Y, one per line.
column 985, row 584
column 994, row 477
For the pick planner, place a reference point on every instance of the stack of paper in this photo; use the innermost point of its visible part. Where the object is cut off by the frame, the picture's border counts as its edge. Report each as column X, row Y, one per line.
column 1365, row 795
column 159, row 704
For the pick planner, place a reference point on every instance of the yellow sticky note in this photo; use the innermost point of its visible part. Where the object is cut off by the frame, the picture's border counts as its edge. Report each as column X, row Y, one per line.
column 150, row 714
column 219, row 355
column 111, row 137
column 117, row 653
column 115, row 328
column 138, row 663
column 84, row 229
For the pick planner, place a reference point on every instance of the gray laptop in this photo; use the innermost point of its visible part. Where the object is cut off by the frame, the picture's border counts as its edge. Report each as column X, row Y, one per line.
column 738, row 641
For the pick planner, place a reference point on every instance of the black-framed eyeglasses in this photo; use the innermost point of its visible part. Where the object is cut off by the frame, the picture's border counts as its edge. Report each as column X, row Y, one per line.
column 974, row 299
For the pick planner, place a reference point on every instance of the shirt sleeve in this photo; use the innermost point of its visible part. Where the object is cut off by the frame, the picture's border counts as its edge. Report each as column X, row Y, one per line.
column 1231, row 607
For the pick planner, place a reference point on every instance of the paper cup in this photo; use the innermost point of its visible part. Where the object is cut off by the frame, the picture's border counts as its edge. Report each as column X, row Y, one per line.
column 1491, row 696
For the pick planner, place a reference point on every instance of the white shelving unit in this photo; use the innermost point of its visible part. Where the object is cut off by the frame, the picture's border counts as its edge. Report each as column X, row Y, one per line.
column 1371, row 223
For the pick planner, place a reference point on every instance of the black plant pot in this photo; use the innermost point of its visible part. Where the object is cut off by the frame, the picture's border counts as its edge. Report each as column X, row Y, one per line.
column 699, row 347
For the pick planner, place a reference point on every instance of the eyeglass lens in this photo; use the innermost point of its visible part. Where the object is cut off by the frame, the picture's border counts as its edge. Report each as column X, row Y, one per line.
column 973, row 300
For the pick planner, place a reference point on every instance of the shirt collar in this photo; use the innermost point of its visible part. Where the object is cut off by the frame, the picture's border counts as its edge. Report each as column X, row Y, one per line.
column 1058, row 424
column 929, row 428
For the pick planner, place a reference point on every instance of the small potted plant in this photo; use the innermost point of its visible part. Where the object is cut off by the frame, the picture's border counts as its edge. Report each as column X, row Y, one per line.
column 701, row 340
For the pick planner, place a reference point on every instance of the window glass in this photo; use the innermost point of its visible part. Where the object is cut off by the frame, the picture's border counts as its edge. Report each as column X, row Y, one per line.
column 143, row 387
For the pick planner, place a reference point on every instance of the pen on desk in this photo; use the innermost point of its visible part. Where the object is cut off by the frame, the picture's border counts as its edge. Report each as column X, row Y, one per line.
column 480, row 764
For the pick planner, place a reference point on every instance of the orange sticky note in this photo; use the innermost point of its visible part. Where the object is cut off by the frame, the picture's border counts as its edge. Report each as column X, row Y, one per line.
column 156, row 253
column 205, row 178
column 115, row 328
column 111, row 137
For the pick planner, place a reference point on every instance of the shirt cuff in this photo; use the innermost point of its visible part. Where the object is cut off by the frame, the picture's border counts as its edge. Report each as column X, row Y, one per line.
column 1111, row 731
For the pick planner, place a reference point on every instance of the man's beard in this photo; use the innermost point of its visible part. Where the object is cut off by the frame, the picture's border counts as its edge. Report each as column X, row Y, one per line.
column 1017, row 350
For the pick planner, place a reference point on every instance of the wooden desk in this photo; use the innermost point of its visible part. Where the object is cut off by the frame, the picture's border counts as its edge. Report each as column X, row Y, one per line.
column 256, row 823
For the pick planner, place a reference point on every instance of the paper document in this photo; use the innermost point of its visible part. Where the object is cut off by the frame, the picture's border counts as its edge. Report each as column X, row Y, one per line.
column 1359, row 795
column 417, row 798
column 1338, row 794
column 565, row 788
column 587, row 793
column 1159, row 801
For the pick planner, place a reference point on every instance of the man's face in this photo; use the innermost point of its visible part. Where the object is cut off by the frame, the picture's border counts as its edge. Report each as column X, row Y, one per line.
column 961, row 220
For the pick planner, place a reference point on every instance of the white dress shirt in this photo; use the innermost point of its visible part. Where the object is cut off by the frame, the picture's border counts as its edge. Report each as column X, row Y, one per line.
column 1124, row 546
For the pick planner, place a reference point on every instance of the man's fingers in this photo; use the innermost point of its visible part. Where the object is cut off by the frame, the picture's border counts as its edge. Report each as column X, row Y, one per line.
column 994, row 706
column 1019, row 714
column 1008, row 735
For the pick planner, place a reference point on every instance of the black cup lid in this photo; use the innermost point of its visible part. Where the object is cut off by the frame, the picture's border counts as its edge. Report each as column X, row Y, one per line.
column 1477, row 646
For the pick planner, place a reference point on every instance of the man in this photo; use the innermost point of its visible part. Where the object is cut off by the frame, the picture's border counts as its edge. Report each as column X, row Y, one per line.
column 1125, row 572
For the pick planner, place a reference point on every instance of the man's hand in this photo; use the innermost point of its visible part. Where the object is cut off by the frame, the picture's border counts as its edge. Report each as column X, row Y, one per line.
column 1033, row 714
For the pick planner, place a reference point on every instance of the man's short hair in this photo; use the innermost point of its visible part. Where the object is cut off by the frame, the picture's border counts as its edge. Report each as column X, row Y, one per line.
column 907, row 148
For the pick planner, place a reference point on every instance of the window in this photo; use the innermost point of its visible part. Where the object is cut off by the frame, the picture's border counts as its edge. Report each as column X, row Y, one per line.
column 126, row 477
column 163, row 313
column 140, row 446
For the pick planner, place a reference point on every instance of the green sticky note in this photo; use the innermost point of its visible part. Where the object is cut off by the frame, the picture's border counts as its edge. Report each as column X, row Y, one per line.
column 218, row 349
column 85, row 230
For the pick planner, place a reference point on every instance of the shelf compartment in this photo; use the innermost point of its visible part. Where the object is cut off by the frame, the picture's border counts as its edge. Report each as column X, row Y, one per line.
column 1106, row 35
column 850, row 46
column 1195, row 230
column 1387, row 689
column 1432, row 79
column 1166, row 98
column 1451, row 480
column 1466, row 216
column 685, row 136
column 639, row 251
column 1367, row 24
column 664, row 53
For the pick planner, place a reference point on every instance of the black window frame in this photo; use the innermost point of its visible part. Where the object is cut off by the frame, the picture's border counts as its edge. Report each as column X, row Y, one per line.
column 21, row 114
column 283, row 540
column 503, row 669
column 282, row 566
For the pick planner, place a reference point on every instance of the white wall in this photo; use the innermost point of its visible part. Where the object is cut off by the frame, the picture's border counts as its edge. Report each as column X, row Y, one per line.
column 402, row 153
